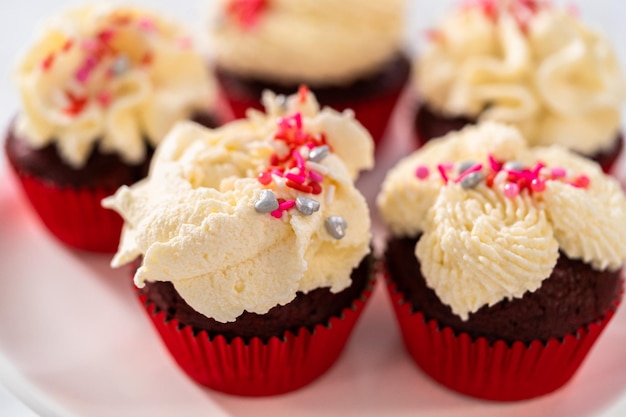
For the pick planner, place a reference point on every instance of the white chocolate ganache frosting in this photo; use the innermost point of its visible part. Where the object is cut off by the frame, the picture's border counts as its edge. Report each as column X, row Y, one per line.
column 492, row 214
column 111, row 77
column 242, row 217
column 529, row 64
column 317, row 42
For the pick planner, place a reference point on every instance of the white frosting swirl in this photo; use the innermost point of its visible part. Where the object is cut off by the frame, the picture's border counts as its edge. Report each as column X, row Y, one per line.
column 551, row 77
column 110, row 76
column 480, row 245
column 194, row 220
column 318, row 42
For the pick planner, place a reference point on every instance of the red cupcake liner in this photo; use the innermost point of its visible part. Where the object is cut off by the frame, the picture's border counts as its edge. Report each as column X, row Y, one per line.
column 74, row 215
column 492, row 371
column 373, row 112
column 257, row 368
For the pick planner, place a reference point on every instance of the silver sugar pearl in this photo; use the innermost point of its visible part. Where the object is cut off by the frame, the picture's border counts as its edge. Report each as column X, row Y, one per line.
column 318, row 153
column 471, row 180
column 120, row 65
column 336, row 226
column 307, row 206
column 266, row 203
column 465, row 165
column 513, row 166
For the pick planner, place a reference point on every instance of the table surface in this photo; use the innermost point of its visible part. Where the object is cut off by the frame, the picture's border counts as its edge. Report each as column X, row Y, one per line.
column 17, row 25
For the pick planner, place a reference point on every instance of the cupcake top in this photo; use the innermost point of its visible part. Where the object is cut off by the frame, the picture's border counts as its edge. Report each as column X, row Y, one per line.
column 108, row 76
column 242, row 217
column 312, row 41
column 493, row 214
column 527, row 63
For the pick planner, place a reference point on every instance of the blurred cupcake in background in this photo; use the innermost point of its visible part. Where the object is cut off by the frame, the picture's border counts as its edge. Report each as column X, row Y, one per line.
column 504, row 262
column 250, row 244
column 100, row 87
column 350, row 53
column 527, row 63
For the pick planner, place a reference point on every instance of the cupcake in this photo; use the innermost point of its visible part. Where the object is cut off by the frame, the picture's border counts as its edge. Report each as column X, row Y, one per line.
column 99, row 89
column 250, row 244
column 503, row 261
column 525, row 63
column 350, row 53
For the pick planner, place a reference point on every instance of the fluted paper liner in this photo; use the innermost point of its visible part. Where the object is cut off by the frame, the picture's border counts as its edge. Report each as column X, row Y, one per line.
column 493, row 371
column 74, row 214
column 257, row 368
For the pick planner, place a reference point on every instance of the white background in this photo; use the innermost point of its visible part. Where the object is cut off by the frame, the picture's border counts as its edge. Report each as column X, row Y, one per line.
column 19, row 18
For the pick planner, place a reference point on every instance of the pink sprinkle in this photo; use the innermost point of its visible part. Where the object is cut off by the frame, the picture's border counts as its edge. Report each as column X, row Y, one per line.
column 558, row 172
column 295, row 178
column 538, row 167
column 538, row 185
column 581, row 181
column 286, row 205
column 495, row 165
column 442, row 171
column 511, row 190
column 90, row 45
column 468, row 171
column 277, row 213
column 146, row 24
column 82, row 74
column 105, row 98
column 277, row 172
column 422, row 172
column 298, row 118
column 316, row 176
column 299, row 160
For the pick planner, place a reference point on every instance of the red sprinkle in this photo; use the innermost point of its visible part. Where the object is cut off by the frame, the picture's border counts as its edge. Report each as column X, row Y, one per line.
column 300, row 187
column 581, row 181
column 265, row 178
column 46, row 64
column 317, row 188
column 303, row 92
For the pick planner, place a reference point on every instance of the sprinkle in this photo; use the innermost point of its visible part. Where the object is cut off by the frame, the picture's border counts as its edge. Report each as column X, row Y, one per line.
column 307, row 206
column 299, row 160
column 472, row 179
column 336, row 226
column 146, row 24
column 330, row 194
column 537, row 185
column 76, row 104
column 442, row 171
column 313, row 166
column 511, row 190
column 318, row 153
column 277, row 214
column 89, row 45
column 558, row 173
column 104, row 98
column 474, row 168
column 581, row 181
column 265, row 178
column 495, row 165
column 300, row 187
column 46, row 64
column 422, row 172
column 67, row 45
column 295, row 178
column 316, row 188
column 286, row 205
column 106, row 35
column 266, row 203
column 316, row 176
column 246, row 12
column 303, row 92
column 147, row 59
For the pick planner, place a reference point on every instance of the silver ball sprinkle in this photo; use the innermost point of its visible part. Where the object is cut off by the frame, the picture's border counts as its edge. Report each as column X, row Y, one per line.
column 307, row 206
column 318, row 153
column 471, row 180
column 120, row 65
column 336, row 226
column 266, row 203
column 513, row 166
column 465, row 165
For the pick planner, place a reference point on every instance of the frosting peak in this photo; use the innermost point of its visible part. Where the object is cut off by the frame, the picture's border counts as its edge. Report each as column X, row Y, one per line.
column 529, row 64
column 108, row 76
column 242, row 217
column 493, row 214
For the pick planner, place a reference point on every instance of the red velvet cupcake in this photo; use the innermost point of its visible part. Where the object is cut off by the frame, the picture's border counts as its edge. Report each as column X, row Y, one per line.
column 504, row 262
column 349, row 53
column 253, row 245
column 100, row 88
column 526, row 63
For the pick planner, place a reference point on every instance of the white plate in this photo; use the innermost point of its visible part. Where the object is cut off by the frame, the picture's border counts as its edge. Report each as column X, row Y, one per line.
column 75, row 342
